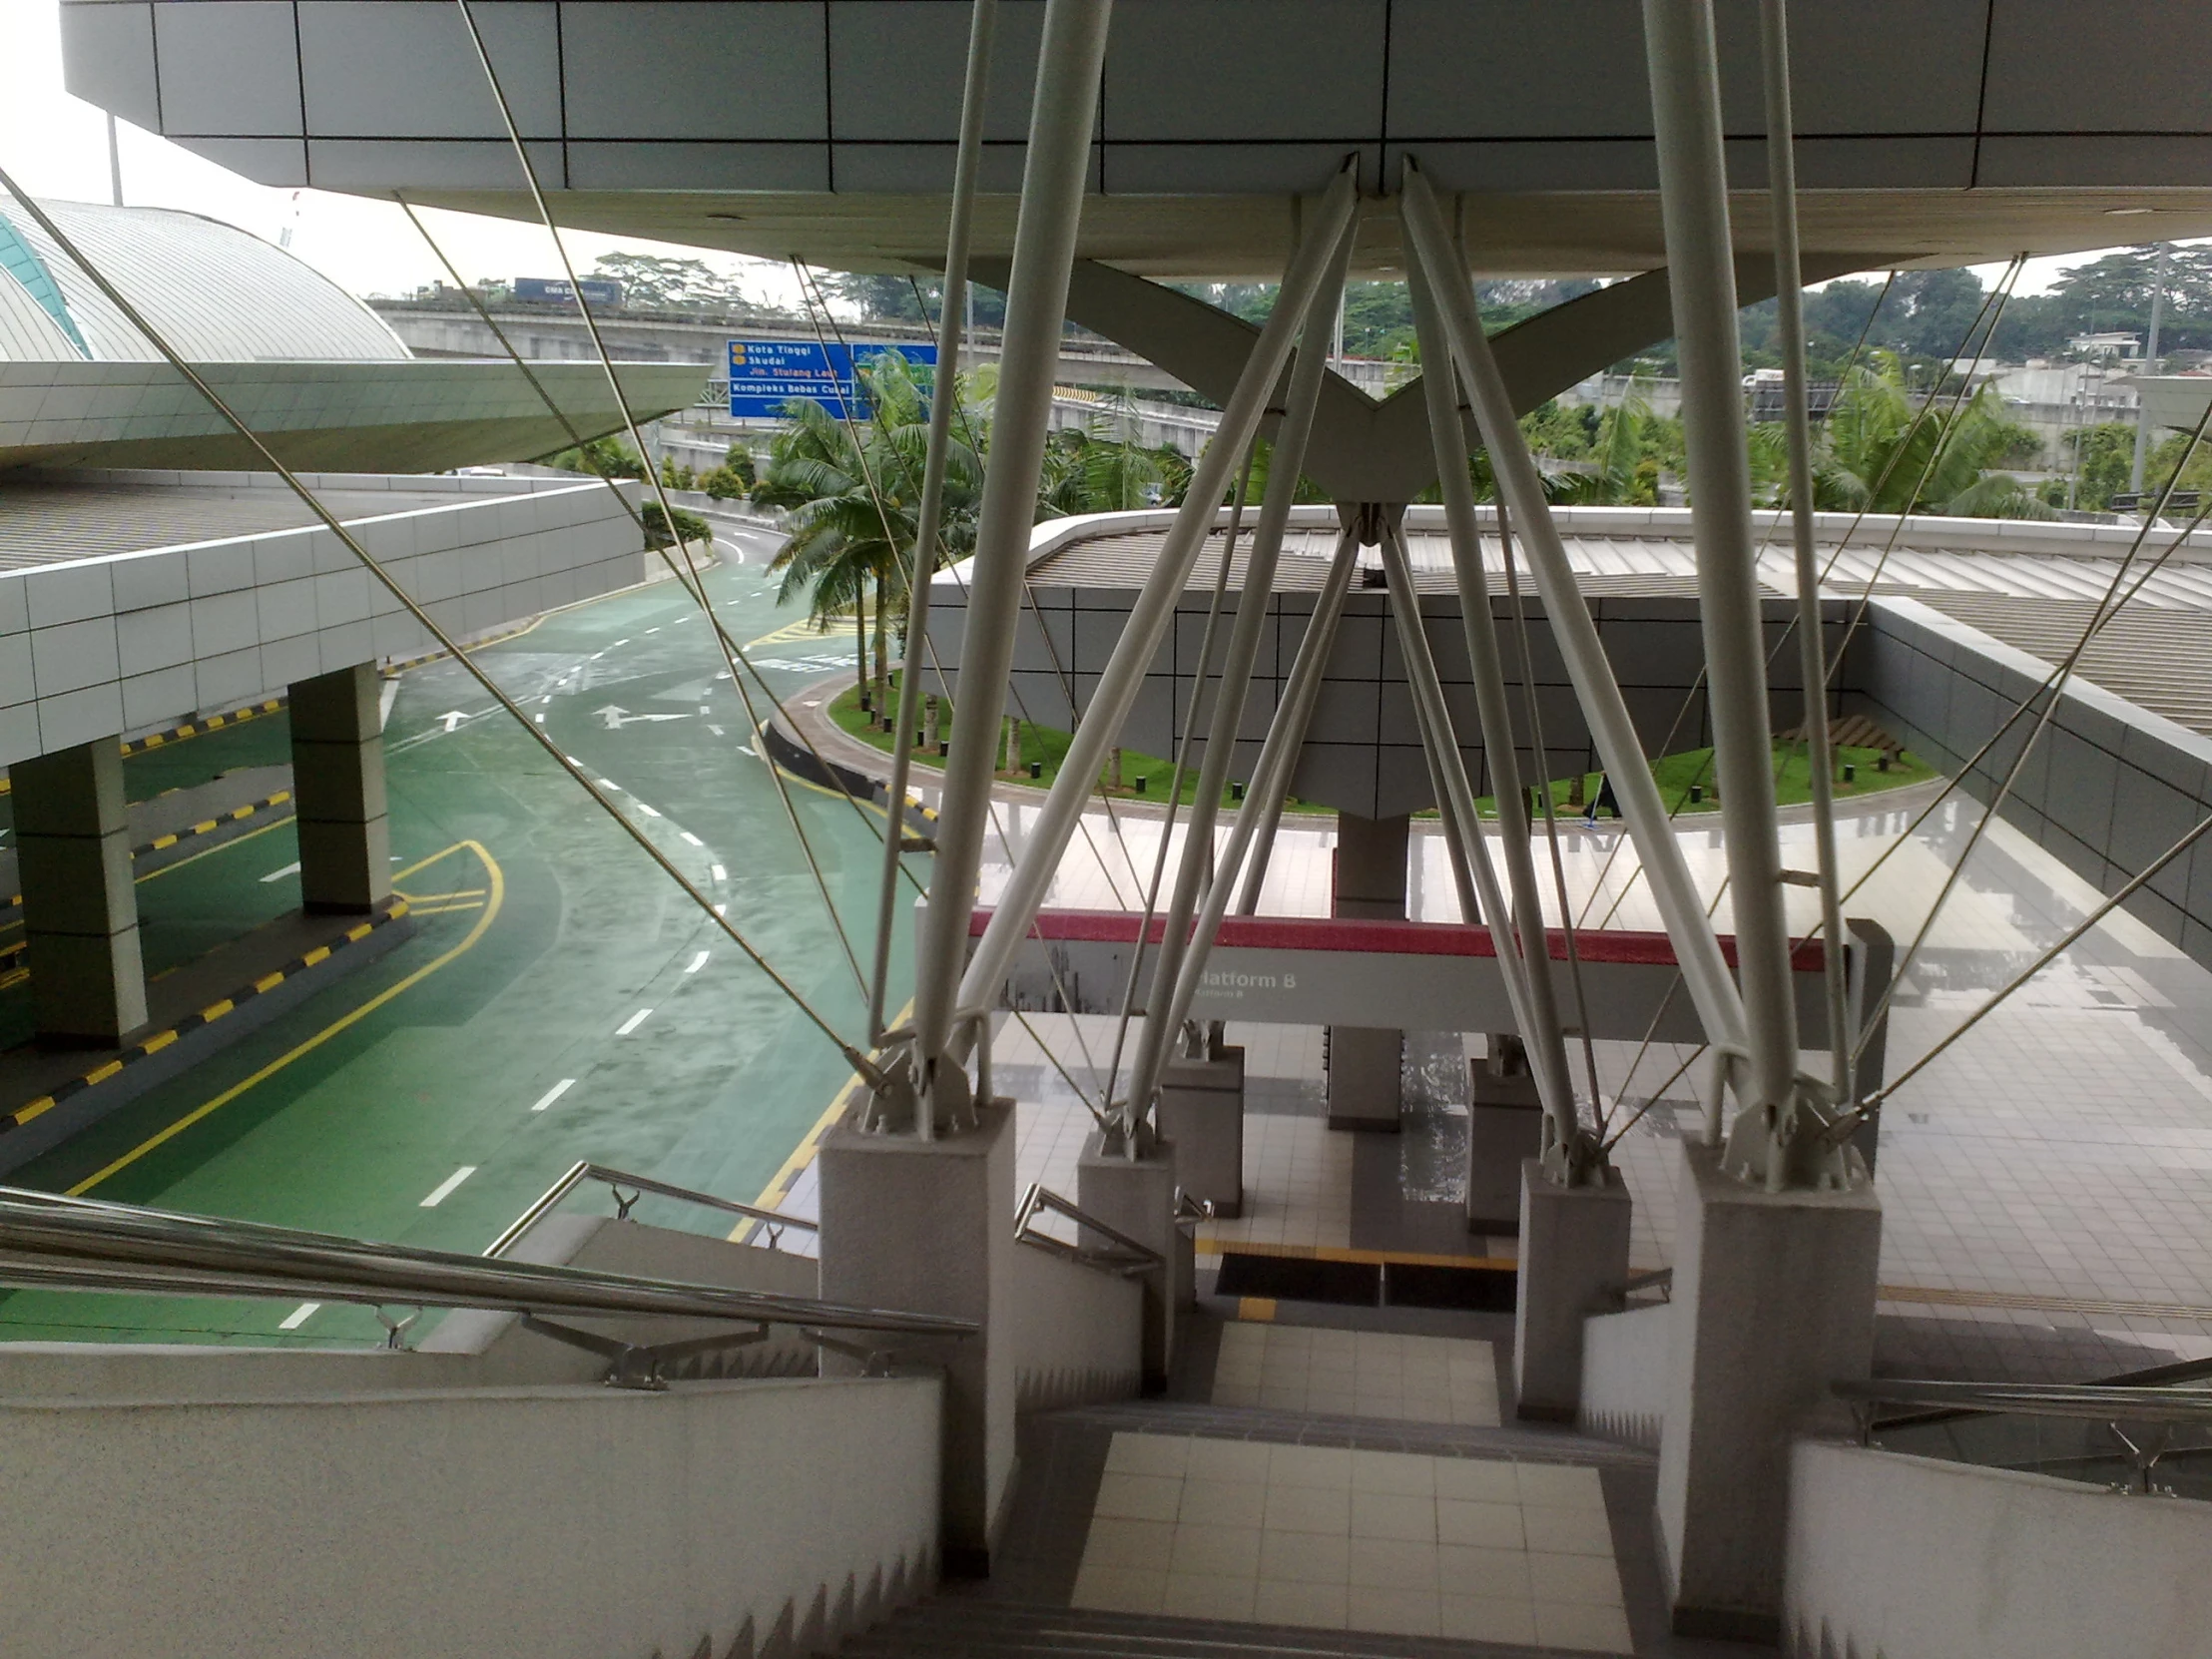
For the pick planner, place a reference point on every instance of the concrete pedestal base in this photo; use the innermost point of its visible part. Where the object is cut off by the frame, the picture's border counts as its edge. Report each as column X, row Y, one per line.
column 927, row 1227
column 1573, row 1262
column 1366, row 1074
column 1773, row 1303
column 1137, row 1197
column 1368, row 882
column 1202, row 1116
column 1506, row 1127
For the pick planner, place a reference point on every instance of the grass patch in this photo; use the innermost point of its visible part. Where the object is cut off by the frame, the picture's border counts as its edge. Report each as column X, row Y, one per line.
column 1143, row 777
column 1146, row 777
column 1678, row 774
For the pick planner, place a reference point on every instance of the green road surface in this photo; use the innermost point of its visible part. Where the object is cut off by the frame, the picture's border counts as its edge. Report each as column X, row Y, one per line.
column 544, row 931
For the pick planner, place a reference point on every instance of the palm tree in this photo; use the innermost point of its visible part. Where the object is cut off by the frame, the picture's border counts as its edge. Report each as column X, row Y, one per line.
column 1873, row 458
column 854, row 492
column 1625, row 456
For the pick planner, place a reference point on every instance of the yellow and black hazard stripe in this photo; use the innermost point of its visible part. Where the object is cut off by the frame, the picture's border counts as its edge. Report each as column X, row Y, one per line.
column 205, row 827
column 213, row 723
column 191, row 729
column 393, row 670
column 160, row 843
column 192, row 1023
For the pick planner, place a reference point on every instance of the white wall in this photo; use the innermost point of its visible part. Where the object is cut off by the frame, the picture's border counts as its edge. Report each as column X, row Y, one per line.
column 575, row 1522
column 1911, row 1558
column 93, row 648
column 1078, row 1333
column 1624, row 1373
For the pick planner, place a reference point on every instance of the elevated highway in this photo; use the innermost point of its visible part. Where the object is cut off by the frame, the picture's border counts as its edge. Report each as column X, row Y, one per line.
column 433, row 329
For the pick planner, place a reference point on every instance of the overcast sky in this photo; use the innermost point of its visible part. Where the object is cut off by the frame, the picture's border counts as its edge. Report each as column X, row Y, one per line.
column 56, row 146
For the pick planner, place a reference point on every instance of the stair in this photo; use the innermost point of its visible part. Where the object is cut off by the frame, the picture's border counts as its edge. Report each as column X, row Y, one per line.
column 1022, row 1611
column 971, row 1627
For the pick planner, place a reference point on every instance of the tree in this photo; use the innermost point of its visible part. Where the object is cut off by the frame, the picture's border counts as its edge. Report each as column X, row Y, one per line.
column 1098, row 468
column 656, row 282
column 734, row 479
column 2103, row 457
column 879, row 297
column 1626, row 450
column 853, row 491
column 690, row 526
column 1875, row 458
column 603, row 457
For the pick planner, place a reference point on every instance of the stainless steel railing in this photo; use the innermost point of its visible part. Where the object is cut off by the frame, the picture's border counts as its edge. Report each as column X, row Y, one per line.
column 546, row 1202
column 1128, row 1257
column 2096, row 1402
column 2141, row 1421
column 52, row 1242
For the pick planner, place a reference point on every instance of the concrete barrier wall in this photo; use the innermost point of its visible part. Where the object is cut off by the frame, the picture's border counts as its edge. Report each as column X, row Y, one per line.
column 1361, row 753
column 2107, row 788
column 1910, row 1558
column 1078, row 1333
column 575, row 1522
column 466, row 1349
column 1624, row 1373
column 123, row 642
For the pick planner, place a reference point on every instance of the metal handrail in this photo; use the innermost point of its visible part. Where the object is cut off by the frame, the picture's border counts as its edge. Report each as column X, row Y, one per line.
column 2110, row 1404
column 616, row 1180
column 1132, row 1257
column 50, row 1241
column 2091, row 1402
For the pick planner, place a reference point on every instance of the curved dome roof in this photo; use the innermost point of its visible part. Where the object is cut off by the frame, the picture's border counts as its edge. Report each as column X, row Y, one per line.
column 217, row 294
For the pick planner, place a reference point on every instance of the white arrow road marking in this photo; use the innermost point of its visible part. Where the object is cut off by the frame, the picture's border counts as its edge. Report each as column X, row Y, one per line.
column 616, row 717
column 452, row 718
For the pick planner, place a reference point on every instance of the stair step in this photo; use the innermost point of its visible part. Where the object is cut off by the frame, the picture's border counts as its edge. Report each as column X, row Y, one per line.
column 947, row 1626
column 1532, row 1443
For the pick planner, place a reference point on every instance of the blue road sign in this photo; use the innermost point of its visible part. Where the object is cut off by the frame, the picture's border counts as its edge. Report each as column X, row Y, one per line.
column 764, row 375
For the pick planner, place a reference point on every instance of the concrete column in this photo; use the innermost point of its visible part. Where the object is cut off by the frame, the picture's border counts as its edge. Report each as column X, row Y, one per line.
column 1773, row 1303
column 337, row 789
column 1573, row 1262
column 927, row 1227
column 1201, row 1114
column 80, row 910
column 1505, row 1125
column 1137, row 1197
column 1365, row 1061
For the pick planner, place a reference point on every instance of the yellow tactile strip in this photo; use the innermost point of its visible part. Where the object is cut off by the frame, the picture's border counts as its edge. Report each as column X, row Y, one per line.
column 159, row 1040
column 1209, row 1245
column 1941, row 1297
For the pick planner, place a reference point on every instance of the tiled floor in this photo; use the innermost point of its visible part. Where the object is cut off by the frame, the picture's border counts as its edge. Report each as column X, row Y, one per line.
column 1356, row 1373
column 1327, row 1539
column 2047, row 1184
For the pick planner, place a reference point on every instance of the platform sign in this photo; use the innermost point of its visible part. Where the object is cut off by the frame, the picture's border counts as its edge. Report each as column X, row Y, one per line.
column 764, row 375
